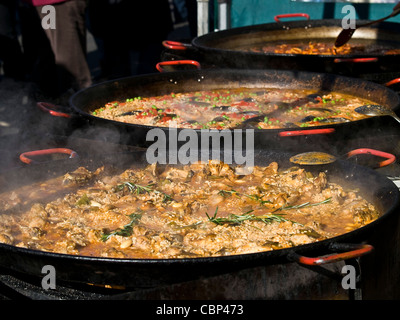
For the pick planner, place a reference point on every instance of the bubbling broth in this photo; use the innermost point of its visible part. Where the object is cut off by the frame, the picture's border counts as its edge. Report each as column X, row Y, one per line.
column 260, row 108
column 198, row 210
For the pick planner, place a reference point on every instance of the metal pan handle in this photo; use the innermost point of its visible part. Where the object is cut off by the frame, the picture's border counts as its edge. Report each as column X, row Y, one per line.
column 160, row 65
column 356, row 251
column 175, row 45
column 390, row 157
column 53, row 109
column 296, row 133
column 25, row 157
column 291, row 15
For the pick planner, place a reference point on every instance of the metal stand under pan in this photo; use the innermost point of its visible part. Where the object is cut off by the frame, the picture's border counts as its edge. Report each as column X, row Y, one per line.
column 277, row 282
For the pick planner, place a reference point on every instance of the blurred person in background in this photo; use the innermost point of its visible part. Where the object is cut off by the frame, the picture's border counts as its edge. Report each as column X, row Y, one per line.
column 67, row 40
column 10, row 49
column 129, row 34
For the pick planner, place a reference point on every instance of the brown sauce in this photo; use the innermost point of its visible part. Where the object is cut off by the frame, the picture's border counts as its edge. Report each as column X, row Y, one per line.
column 199, row 210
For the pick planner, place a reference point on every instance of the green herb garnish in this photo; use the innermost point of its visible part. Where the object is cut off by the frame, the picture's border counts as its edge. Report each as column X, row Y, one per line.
column 126, row 230
column 304, row 205
column 84, row 200
column 139, row 189
column 234, row 219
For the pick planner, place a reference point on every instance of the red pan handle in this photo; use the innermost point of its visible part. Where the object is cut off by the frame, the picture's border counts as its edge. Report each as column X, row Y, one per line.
column 24, row 157
column 390, row 157
column 52, row 109
column 355, row 252
column 355, row 60
column 160, row 65
column 175, row 45
column 291, row 15
column 394, row 81
column 306, row 132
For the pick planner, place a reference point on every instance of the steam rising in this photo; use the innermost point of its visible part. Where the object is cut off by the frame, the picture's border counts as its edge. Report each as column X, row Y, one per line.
column 24, row 127
column 16, row 118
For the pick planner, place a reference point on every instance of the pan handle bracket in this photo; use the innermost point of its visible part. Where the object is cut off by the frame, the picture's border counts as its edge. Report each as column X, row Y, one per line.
column 354, row 251
column 392, row 82
column 160, row 65
column 291, row 15
column 355, row 60
column 175, row 45
column 350, row 257
column 390, row 157
column 307, row 132
column 25, row 157
column 52, row 109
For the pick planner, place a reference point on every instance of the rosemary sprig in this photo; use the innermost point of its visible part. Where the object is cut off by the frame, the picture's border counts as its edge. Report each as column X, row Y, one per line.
column 135, row 188
column 139, row 189
column 126, row 230
column 234, row 219
column 304, row 205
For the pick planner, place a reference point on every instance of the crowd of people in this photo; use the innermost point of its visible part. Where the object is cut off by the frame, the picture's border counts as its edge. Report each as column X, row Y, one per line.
column 52, row 53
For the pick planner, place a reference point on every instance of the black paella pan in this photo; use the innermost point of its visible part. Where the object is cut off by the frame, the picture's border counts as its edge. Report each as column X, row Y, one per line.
column 79, row 118
column 142, row 273
column 232, row 48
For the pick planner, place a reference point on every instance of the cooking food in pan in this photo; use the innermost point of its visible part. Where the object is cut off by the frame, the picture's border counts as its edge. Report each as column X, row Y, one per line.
column 227, row 109
column 321, row 48
column 198, row 210
column 231, row 48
